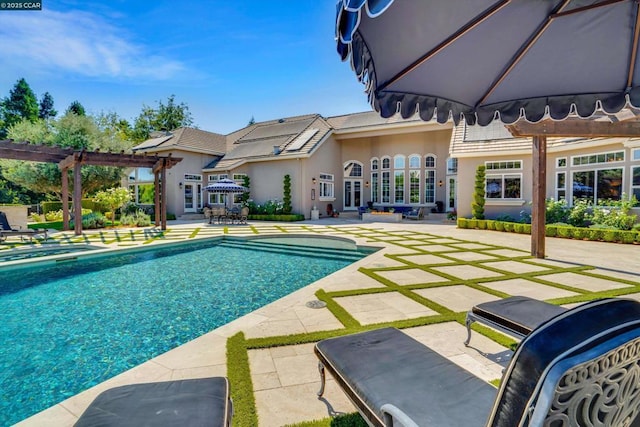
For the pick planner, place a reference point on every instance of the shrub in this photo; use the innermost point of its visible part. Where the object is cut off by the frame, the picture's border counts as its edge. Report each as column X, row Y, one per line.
column 551, row 230
column 463, row 223
column 615, row 213
column 491, row 225
column 499, row 225
column 556, row 211
column 472, row 223
column 627, row 236
column 57, row 215
column 505, row 218
column 286, row 198
column 137, row 219
column 477, row 207
column 580, row 213
column 509, row 226
column 91, row 221
column 482, row 224
column 564, row 232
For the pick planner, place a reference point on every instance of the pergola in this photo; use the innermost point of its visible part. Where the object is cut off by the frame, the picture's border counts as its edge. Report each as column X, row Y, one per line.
column 68, row 158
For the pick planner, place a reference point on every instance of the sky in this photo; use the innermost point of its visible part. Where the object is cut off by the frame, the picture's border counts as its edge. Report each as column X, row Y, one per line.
column 228, row 61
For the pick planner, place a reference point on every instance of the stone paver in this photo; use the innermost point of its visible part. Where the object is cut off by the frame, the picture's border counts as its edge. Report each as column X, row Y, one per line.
column 528, row 288
column 385, row 307
column 426, row 259
column 411, row 276
column 470, row 256
column 456, row 298
column 515, row 267
column 467, row 272
column 581, row 281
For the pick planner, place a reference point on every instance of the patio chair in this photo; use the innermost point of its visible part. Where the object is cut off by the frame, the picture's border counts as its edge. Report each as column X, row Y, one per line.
column 7, row 231
column 579, row 368
column 196, row 402
column 516, row 316
column 416, row 214
column 244, row 214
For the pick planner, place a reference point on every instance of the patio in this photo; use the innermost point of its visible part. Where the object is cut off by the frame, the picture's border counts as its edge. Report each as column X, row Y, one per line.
column 424, row 280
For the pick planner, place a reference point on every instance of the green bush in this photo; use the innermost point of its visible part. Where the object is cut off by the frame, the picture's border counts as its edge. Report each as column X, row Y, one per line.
column 477, row 206
column 556, row 211
column 137, row 219
column 283, row 218
column 580, row 213
column 581, row 233
column 499, row 225
column 596, row 234
column 491, row 225
column 615, row 213
column 57, row 215
column 463, row 223
column 509, row 226
column 91, row 220
column 627, row 236
column 472, row 223
column 551, row 230
column 482, row 224
column 86, row 204
column 565, row 232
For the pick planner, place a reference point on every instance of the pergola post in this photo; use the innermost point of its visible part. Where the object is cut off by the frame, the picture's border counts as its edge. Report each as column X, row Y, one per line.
column 65, row 198
column 77, row 196
column 538, row 209
column 164, row 198
column 156, row 197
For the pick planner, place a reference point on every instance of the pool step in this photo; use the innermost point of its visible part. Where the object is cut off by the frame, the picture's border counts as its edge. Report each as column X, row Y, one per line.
column 317, row 252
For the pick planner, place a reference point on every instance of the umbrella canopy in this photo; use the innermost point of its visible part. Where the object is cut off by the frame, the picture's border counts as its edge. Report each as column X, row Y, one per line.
column 226, row 186
column 487, row 59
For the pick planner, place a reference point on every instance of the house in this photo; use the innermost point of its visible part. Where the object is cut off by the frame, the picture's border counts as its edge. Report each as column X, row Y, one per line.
column 355, row 160
column 346, row 161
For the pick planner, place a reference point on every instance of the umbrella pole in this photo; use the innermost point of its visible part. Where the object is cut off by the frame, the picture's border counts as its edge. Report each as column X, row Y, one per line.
column 538, row 209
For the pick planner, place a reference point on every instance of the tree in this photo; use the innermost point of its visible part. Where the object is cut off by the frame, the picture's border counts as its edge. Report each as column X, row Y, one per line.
column 252, row 121
column 76, row 108
column 166, row 117
column 71, row 130
column 477, row 206
column 115, row 198
column 46, row 107
column 286, row 198
column 244, row 197
column 21, row 104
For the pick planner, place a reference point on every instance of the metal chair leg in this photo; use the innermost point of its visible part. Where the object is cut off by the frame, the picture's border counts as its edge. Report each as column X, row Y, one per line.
column 322, row 379
column 468, row 322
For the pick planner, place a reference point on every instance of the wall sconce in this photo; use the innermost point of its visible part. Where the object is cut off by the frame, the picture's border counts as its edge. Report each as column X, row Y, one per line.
column 440, row 183
column 366, row 184
column 313, row 180
column 180, row 185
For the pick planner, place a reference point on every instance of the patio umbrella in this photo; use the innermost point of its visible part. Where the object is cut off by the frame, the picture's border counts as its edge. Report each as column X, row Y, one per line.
column 518, row 61
column 226, row 186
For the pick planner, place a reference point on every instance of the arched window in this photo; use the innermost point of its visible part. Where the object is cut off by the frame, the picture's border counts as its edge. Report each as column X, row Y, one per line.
column 398, row 161
column 386, row 162
column 429, row 161
column 353, row 169
column 374, row 164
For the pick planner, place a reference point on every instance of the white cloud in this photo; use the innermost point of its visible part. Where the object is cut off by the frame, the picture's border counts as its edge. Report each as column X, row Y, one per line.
column 80, row 43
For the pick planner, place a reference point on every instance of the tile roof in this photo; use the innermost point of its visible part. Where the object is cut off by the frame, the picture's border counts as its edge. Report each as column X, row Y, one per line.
column 367, row 118
column 187, row 139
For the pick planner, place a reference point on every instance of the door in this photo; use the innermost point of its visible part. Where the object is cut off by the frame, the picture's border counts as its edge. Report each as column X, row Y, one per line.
column 352, row 194
column 190, row 197
column 452, row 193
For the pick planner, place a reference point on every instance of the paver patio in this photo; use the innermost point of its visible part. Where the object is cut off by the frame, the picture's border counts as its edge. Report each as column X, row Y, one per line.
column 285, row 378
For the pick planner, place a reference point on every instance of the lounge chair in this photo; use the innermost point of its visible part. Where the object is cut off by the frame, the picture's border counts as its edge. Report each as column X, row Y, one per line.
column 578, row 368
column 197, row 402
column 516, row 316
column 7, row 231
column 416, row 214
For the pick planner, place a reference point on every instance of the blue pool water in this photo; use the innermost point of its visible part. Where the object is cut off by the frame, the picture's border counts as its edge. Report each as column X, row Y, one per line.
column 67, row 327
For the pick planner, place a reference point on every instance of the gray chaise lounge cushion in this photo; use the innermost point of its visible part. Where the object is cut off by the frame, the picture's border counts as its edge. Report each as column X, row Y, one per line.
column 197, row 402
column 387, row 366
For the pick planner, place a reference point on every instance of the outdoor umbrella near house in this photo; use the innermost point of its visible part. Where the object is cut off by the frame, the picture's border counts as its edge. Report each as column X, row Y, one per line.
column 226, row 186
column 539, row 66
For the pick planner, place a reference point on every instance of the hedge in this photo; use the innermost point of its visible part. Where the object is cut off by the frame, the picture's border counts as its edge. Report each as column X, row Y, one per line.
column 551, row 230
column 86, row 204
column 274, row 217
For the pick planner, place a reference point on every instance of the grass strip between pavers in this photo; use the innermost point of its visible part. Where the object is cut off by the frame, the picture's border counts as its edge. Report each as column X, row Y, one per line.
column 239, row 374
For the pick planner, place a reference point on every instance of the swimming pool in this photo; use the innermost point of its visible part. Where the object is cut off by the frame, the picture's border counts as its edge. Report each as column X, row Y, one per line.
column 67, row 326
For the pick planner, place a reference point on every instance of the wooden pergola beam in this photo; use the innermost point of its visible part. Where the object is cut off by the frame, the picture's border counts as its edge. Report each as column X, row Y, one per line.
column 574, row 128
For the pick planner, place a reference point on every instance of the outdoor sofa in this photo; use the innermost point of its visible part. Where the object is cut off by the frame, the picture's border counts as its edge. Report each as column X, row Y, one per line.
column 579, row 368
column 185, row 403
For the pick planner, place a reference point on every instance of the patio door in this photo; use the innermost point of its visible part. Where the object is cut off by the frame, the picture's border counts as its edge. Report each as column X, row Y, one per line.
column 452, row 193
column 352, row 194
column 192, row 196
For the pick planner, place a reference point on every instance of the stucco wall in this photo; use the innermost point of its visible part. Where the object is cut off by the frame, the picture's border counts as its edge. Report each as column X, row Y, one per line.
column 17, row 215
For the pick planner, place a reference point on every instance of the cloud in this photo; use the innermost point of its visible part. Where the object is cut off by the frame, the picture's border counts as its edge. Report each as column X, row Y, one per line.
column 81, row 43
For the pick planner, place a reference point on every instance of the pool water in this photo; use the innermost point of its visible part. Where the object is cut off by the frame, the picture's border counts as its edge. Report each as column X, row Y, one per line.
column 67, row 327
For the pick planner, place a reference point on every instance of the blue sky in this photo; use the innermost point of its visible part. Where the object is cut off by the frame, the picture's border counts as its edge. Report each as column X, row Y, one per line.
column 227, row 60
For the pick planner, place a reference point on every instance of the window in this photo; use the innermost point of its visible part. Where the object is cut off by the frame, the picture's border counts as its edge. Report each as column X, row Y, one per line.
column 561, row 162
column 386, row 162
column 375, row 188
column 504, row 186
column 212, row 178
column 430, row 186
column 142, row 185
column 386, row 187
column 414, row 186
column 217, row 199
column 596, row 185
column 430, row 161
column 374, row 164
column 635, row 181
column 508, row 165
column 561, row 186
column 326, row 186
column 353, row 169
column 398, row 189
column 591, row 159
column 192, row 177
column 398, row 162
column 414, row 162
column 635, row 155
column 452, row 166
column 239, row 176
